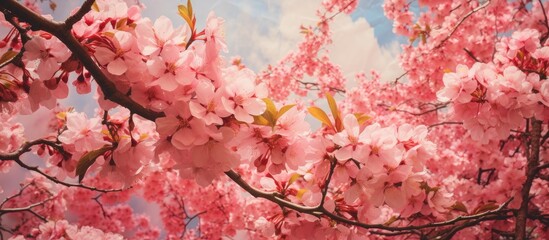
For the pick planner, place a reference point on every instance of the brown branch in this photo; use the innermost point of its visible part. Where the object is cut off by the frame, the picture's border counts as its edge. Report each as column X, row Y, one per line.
column 66, row 184
column 320, row 211
column 26, row 147
column 315, row 86
column 271, row 196
column 436, row 108
column 96, row 199
column 444, row 123
column 27, row 209
column 24, row 38
column 546, row 23
column 471, row 55
column 85, row 8
column 400, row 77
column 532, row 156
column 461, row 22
column 449, row 233
column 333, row 164
column 60, row 31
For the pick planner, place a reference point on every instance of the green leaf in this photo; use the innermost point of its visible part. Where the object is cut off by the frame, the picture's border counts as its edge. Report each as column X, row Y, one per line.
column 335, row 112
column 294, row 177
column 187, row 13
column 284, row 110
column 362, row 118
column 486, row 208
column 271, row 108
column 320, row 115
column 333, row 105
column 183, row 12
column 459, row 206
column 190, row 8
column 7, row 57
column 260, row 120
column 88, row 159
column 271, row 112
column 391, row 221
column 95, row 7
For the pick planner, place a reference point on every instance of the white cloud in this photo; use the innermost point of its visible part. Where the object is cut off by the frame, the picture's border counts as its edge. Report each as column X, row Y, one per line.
column 354, row 47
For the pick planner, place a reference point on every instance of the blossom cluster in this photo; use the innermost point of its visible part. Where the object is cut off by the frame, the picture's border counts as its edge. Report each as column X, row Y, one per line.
column 493, row 98
column 174, row 117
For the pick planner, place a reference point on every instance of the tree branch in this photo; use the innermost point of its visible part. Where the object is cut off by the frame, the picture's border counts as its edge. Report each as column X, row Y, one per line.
column 27, row 209
column 26, row 147
column 444, row 123
column 85, row 8
column 60, row 31
column 546, row 23
column 320, row 211
column 461, row 22
column 532, row 156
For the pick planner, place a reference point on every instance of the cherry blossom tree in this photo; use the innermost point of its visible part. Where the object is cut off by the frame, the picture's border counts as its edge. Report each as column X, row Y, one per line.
column 456, row 147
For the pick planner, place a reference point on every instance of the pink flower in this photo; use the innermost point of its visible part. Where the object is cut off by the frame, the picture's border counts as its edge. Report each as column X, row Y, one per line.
column 214, row 37
column 209, row 161
column 350, row 140
column 458, row 86
column 527, row 39
column 117, row 55
column 183, row 129
column 292, row 124
column 440, row 200
column 240, row 96
column 47, row 53
column 544, row 92
column 151, row 39
column 207, row 105
column 171, row 68
column 381, row 148
column 83, row 134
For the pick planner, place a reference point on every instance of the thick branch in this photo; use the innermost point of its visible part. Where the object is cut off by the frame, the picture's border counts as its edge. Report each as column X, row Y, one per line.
column 532, row 156
column 64, row 34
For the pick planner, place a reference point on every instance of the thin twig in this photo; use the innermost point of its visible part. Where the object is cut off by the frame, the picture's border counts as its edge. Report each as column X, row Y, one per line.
column 546, row 23
column 27, row 209
column 461, row 22
column 443, row 123
column 470, row 54
column 26, row 147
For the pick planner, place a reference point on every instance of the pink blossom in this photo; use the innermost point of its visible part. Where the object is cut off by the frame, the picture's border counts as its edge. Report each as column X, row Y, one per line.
column 207, row 105
column 350, row 140
column 153, row 38
column 241, row 97
column 171, row 68
column 48, row 53
column 209, row 161
column 82, row 133
column 214, row 37
column 458, row 86
column 117, row 55
column 183, row 129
